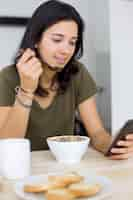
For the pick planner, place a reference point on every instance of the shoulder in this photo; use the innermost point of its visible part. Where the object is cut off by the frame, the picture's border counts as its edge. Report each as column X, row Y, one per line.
column 9, row 74
column 85, row 86
column 79, row 65
column 8, row 81
column 10, row 69
column 82, row 74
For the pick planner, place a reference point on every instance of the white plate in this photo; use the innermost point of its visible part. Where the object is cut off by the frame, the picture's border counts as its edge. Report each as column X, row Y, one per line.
column 105, row 182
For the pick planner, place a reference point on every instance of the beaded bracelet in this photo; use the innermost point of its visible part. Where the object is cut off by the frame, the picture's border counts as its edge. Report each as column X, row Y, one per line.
column 24, row 92
column 22, row 103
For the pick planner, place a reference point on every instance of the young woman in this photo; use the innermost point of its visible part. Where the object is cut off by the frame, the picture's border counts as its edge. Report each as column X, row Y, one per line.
column 46, row 84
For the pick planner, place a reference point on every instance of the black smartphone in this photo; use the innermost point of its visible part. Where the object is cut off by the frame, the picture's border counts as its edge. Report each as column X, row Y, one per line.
column 125, row 130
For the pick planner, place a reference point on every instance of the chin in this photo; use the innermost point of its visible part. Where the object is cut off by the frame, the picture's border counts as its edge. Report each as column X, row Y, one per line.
column 55, row 68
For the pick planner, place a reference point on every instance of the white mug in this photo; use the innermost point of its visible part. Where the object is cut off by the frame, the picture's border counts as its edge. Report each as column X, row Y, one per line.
column 15, row 158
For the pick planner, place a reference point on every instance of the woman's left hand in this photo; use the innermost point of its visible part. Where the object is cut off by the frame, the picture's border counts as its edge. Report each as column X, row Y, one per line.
column 125, row 150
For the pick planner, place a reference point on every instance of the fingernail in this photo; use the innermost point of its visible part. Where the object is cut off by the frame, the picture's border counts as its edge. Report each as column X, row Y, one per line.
column 120, row 143
column 128, row 137
column 112, row 150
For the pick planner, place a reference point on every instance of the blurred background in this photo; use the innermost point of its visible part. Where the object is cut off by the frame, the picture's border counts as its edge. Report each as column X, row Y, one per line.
column 108, row 53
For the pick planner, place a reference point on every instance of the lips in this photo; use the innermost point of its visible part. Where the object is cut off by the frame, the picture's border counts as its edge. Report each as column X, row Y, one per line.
column 60, row 60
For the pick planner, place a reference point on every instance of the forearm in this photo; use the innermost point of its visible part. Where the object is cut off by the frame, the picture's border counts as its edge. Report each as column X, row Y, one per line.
column 15, row 125
column 101, row 140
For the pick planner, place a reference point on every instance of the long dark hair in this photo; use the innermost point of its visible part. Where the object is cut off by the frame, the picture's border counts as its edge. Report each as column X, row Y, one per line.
column 46, row 15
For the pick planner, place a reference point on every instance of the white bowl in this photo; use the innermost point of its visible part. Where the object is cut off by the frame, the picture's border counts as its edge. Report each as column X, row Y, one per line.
column 68, row 148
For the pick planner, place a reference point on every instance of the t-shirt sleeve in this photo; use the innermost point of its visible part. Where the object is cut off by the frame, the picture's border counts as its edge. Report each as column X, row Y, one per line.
column 86, row 86
column 7, row 93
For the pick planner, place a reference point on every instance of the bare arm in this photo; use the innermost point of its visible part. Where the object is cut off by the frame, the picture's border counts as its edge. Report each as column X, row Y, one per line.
column 14, row 120
column 100, row 138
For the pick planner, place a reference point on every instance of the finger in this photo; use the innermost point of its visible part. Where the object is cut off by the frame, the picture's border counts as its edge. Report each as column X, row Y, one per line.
column 37, row 68
column 37, row 73
column 26, row 56
column 122, row 150
column 119, row 150
column 34, row 69
column 129, row 137
column 119, row 156
column 19, row 54
column 31, row 64
column 126, row 143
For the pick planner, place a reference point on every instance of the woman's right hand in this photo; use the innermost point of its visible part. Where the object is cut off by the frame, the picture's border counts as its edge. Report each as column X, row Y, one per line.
column 30, row 69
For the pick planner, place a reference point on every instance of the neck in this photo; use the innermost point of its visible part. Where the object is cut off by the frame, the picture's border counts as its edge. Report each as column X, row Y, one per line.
column 46, row 77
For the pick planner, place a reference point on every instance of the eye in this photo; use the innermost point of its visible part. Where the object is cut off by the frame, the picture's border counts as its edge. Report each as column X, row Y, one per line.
column 56, row 40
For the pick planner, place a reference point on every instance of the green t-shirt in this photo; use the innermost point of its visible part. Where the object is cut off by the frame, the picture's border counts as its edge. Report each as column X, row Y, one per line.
column 59, row 117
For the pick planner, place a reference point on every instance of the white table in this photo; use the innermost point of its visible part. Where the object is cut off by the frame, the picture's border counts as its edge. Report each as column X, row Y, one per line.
column 121, row 172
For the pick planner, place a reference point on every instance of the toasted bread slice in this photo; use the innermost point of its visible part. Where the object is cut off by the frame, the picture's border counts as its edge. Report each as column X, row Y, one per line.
column 66, row 179
column 43, row 187
column 56, row 185
column 59, row 194
column 36, row 188
column 84, row 189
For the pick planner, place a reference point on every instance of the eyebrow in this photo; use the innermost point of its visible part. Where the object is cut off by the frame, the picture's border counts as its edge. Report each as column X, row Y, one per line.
column 61, row 35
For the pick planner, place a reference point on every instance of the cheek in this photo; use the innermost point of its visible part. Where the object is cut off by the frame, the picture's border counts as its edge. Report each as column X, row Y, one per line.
column 47, row 49
column 72, row 52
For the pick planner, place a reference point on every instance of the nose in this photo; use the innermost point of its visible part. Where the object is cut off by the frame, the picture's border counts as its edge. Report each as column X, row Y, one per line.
column 65, row 48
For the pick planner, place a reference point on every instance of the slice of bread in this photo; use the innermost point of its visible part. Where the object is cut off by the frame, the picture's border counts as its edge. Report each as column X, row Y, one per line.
column 35, row 188
column 59, row 194
column 84, row 189
column 43, row 187
column 66, row 179
column 55, row 185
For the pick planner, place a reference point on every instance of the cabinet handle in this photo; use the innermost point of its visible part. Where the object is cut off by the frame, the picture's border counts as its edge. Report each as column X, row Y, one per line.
column 100, row 89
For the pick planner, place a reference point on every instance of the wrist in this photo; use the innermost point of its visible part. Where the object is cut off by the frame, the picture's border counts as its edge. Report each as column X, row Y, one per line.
column 101, row 140
column 23, row 98
column 27, row 93
column 23, row 103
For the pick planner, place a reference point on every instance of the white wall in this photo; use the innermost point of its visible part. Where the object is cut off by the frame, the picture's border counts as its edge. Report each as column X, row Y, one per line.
column 113, row 54
column 99, row 17
column 19, row 8
column 121, row 40
column 9, row 41
column 10, row 37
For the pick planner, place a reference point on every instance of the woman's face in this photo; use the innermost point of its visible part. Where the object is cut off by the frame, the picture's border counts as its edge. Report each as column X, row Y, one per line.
column 58, row 44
